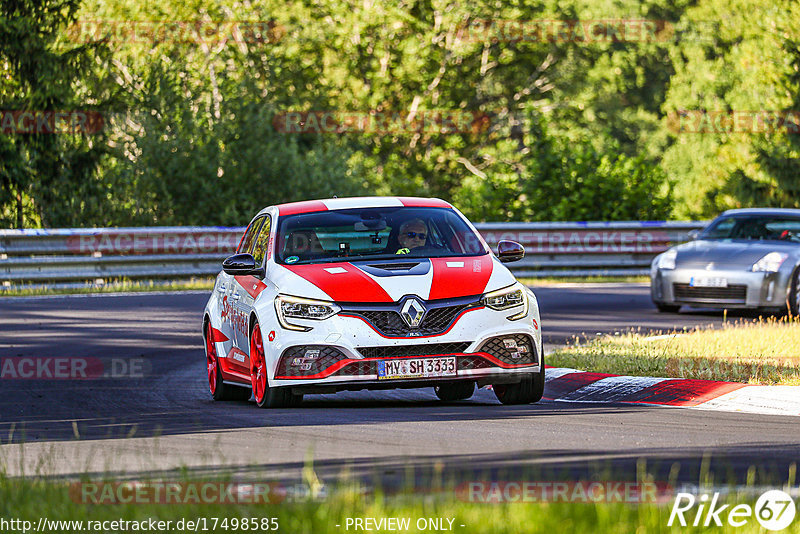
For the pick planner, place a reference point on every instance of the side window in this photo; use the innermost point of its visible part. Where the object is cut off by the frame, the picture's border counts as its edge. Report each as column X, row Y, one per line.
column 721, row 230
column 249, row 236
column 260, row 250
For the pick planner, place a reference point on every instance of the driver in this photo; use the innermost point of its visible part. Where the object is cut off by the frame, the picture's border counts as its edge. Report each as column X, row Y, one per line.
column 412, row 234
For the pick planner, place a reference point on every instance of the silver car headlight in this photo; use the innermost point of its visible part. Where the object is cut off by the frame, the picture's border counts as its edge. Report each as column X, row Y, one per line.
column 667, row 259
column 507, row 298
column 770, row 263
column 288, row 307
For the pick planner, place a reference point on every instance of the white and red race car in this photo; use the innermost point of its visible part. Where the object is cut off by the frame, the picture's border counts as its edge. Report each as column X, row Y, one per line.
column 370, row 293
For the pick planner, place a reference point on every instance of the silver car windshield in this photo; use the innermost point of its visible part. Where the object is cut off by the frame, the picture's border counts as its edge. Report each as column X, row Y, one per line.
column 374, row 233
column 754, row 228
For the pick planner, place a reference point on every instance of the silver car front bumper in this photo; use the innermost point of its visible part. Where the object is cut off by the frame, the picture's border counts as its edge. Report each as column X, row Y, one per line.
column 703, row 288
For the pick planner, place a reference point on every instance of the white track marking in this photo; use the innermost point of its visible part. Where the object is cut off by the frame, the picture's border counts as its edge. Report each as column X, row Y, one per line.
column 779, row 400
column 558, row 372
column 612, row 389
column 768, row 400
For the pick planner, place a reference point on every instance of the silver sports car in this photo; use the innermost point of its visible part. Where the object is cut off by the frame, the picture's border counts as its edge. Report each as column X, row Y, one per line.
column 745, row 258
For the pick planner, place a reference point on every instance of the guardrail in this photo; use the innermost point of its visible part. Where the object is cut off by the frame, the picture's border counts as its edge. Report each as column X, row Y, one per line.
column 58, row 257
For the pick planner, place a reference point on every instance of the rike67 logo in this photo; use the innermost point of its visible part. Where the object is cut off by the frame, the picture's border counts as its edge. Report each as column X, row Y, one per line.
column 774, row 510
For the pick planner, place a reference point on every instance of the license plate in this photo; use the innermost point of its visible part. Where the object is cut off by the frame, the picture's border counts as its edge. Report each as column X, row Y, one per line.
column 417, row 368
column 708, row 282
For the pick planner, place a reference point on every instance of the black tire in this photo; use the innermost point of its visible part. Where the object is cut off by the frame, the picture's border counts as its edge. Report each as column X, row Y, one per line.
column 280, row 398
column 227, row 392
column 455, row 391
column 793, row 302
column 529, row 390
column 667, row 308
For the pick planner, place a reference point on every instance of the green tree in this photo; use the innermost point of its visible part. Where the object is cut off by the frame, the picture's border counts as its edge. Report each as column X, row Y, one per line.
column 47, row 178
column 749, row 64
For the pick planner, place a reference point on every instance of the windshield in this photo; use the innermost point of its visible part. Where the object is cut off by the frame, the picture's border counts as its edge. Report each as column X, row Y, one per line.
column 372, row 233
column 756, row 228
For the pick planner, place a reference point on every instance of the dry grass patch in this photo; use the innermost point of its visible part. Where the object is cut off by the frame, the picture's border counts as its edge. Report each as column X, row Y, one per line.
column 766, row 351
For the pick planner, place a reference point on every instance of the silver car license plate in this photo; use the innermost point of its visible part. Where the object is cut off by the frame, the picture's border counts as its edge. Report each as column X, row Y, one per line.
column 708, row 282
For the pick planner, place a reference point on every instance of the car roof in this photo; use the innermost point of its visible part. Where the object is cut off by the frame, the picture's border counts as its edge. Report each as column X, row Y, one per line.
column 762, row 211
column 329, row 204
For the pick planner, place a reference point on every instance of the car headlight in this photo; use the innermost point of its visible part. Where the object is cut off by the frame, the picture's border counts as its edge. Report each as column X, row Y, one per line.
column 299, row 308
column 506, row 299
column 770, row 263
column 667, row 259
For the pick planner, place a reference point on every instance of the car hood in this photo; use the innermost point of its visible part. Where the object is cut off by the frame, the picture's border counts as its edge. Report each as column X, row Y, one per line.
column 727, row 254
column 389, row 280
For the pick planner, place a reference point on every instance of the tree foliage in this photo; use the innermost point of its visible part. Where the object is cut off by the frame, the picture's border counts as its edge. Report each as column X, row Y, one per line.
column 566, row 129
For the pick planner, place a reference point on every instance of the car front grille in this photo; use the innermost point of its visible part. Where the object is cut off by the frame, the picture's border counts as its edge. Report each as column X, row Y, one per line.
column 733, row 294
column 359, row 369
column 514, row 349
column 428, row 349
column 307, row 360
column 388, row 321
column 468, row 363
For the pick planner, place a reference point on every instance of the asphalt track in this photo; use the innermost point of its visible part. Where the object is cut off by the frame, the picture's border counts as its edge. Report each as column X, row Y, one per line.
column 165, row 421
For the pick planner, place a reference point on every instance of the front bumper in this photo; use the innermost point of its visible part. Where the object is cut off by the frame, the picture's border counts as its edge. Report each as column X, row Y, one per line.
column 744, row 289
column 346, row 352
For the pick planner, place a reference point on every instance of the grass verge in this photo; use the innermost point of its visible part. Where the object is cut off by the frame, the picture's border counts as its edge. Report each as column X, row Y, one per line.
column 33, row 499
column 555, row 280
column 754, row 352
column 122, row 286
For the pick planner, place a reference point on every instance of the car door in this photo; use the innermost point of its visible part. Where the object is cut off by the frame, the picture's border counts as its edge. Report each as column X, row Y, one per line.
column 247, row 288
column 233, row 320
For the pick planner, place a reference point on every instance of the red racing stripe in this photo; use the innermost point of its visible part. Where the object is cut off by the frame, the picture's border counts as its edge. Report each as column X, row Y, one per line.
column 251, row 284
column 349, row 286
column 229, row 372
column 683, row 392
column 217, row 335
column 416, row 202
column 306, row 206
column 452, row 282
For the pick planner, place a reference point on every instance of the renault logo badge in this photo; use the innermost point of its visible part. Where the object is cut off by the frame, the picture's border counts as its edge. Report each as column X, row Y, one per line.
column 412, row 312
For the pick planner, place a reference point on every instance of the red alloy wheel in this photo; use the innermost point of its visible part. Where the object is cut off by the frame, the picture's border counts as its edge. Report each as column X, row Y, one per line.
column 258, row 365
column 211, row 360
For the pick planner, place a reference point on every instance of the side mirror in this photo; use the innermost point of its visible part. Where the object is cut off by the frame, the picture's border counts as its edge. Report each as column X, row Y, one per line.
column 241, row 265
column 508, row 251
column 693, row 234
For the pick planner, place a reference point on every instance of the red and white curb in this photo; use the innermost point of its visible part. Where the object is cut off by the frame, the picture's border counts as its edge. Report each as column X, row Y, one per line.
column 573, row 385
